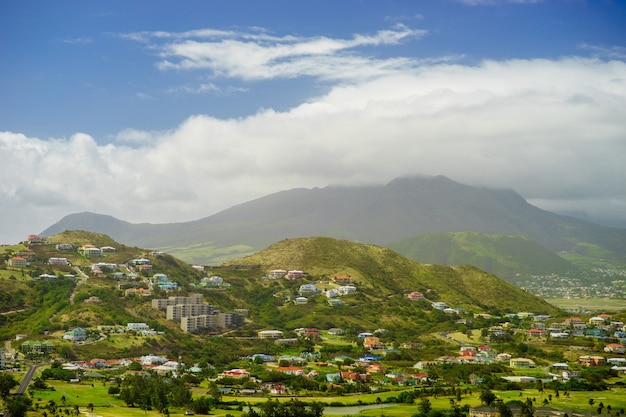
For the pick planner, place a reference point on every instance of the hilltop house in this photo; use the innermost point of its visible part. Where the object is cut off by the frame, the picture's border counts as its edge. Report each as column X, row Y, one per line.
column 77, row 335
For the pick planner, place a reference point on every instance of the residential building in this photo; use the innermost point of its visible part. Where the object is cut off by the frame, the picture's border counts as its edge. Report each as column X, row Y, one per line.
column 270, row 334
column 415, row 296
column 76, row 335
column 137, row 326
column 587, row 360
column 18, row 262
column 57, row 261
column 276, row 273
column 294, row 274
column 179, row 311
column 521, row 363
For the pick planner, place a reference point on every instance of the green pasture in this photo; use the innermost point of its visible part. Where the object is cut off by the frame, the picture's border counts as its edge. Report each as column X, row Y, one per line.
column 591, row 304
column 105, row 405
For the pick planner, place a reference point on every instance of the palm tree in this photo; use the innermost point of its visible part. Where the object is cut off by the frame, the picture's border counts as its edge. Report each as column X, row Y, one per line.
column 76, row 410
column 90, row 408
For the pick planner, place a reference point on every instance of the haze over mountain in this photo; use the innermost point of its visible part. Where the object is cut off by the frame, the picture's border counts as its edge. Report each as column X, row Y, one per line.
column 401, row 209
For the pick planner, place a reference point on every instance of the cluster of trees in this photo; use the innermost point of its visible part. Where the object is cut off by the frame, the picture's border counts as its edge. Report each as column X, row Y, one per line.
column 17, row 405
column 292, row 408
column 154, row 392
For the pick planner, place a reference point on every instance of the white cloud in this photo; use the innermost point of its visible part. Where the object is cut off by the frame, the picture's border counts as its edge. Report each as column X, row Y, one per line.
column 257, row 55
column 552, row 130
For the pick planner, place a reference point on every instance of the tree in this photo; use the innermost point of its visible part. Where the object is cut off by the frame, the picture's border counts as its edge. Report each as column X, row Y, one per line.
column 134, row 366
column 18, row 405
column 201, row 405
column 424, row 406
column 90, row 408
column 487, row 397
column 7, row 383
column 527, row 409
column 505, row 410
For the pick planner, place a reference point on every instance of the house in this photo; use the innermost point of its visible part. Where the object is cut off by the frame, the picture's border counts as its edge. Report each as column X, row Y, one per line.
column 235, row 373
column 65, row 246
column 18, row 262
column 587, row 360
column 343, row 279
column 597, row 320
column 144, row 292
column 346, row 289
column 335, row 302
column 439, row 305
column 615, row 348
column 294, row 274
column 521, row 363
column 595, row 332
column 375, row 368
column 534, row 332
column 270, row 334
column 334, row 331
column 333, row 378
column 468, row 351
column 58, row 261
column 415, row 296
column 572, row 321
column 276, row 273
column 34, row 239
column 355, row 376
column 423, row 365
column 484, row 411
column 290, row 370
column 307, row 289
column 371, row 342
column 108, row 249
column 90, row 251
column 77, row 335
column 137, row 326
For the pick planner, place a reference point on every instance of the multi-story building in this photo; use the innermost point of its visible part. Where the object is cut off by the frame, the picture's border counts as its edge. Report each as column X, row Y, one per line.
column 177, row 312
column 162, row 303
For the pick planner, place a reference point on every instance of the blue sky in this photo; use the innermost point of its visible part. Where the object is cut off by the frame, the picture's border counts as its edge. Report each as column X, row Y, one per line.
column 142, row 109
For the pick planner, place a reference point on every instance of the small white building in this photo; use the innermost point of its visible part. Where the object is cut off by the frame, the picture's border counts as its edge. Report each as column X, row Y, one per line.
column 137, row 326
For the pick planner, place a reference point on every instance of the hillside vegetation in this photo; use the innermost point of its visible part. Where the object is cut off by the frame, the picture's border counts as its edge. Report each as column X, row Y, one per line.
column 504, row 256
column 382, row 273
column 382, row 277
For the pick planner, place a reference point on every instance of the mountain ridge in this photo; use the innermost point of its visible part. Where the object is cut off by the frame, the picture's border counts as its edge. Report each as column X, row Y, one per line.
column 401, row 209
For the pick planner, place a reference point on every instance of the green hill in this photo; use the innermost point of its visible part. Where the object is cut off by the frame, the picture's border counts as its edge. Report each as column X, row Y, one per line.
column 505, row 256
column 383, row 274
column 45, row 309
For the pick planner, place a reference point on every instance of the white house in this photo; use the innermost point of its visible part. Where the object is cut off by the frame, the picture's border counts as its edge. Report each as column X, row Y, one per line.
column 137, row 326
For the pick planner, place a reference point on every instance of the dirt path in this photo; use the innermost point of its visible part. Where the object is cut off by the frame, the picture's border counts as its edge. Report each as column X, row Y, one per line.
column 82, row 278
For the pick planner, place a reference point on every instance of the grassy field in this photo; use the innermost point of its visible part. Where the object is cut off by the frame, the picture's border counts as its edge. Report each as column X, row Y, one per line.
column 106, row 405
column 591, row 304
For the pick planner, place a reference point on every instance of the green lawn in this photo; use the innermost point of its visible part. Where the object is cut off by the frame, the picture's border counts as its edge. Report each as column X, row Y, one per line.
column 106, row 405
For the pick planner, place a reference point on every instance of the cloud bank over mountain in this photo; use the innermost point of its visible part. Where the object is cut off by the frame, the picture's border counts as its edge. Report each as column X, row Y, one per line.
column 553, row 130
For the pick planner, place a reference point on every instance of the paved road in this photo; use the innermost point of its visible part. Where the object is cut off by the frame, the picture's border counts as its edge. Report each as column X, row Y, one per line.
column 26, row 381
